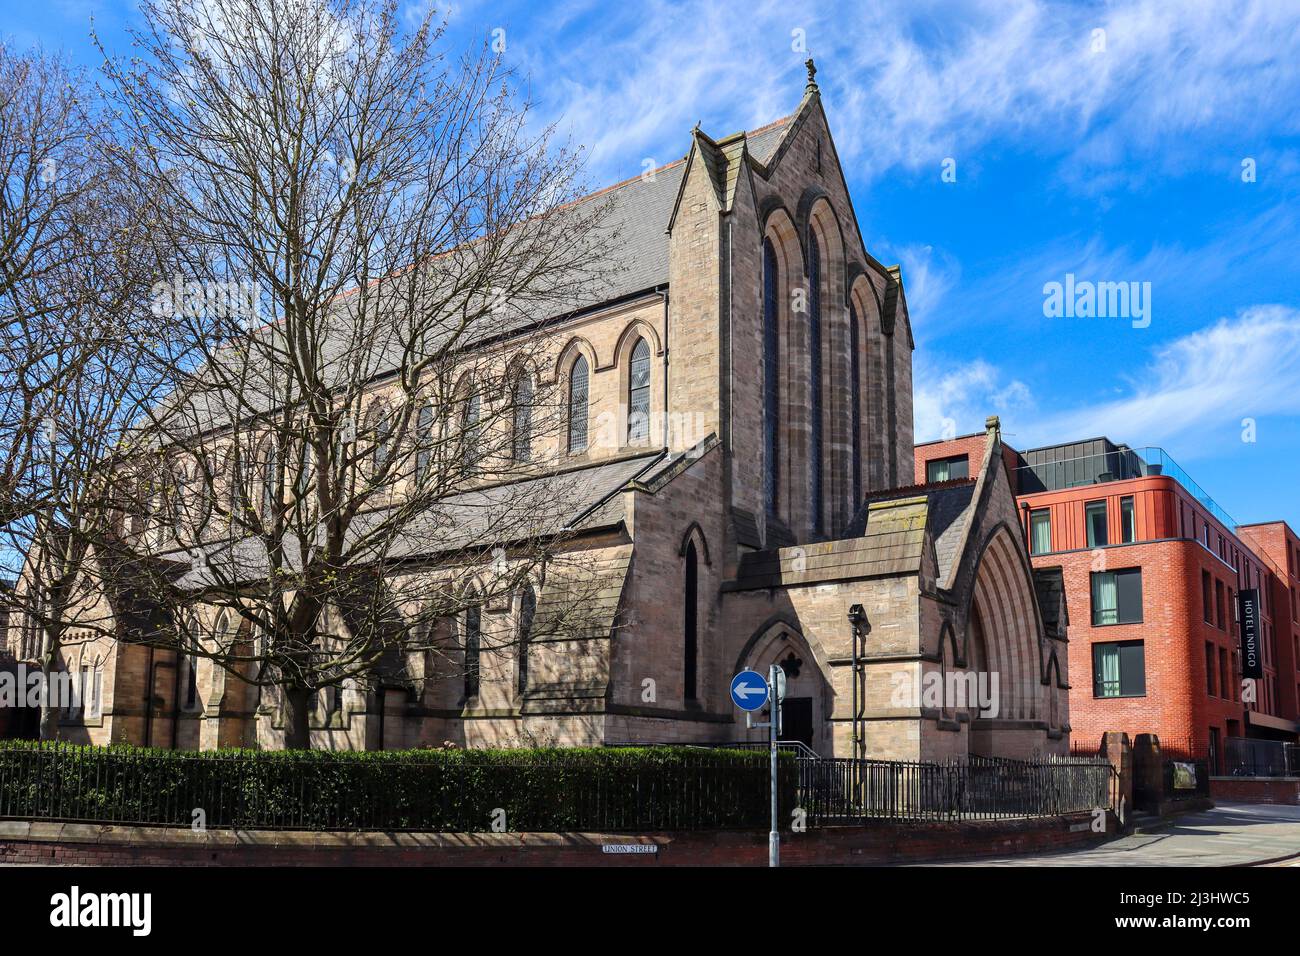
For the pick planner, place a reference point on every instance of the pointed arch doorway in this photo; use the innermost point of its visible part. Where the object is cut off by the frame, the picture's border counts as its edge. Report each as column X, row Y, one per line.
column 807, row 708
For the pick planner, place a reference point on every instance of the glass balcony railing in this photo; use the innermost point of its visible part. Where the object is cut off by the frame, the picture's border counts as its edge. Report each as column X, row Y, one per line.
column 1120, row 464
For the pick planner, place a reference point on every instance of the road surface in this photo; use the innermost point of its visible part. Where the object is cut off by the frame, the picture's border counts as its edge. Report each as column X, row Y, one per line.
column 1232, row 834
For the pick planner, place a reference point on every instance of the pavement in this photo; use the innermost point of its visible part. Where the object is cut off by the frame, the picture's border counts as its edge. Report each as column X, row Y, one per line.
column 1231, row 834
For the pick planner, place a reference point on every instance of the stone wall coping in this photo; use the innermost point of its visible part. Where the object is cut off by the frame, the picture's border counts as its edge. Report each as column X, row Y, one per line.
column 37, row 831
column 102, row 834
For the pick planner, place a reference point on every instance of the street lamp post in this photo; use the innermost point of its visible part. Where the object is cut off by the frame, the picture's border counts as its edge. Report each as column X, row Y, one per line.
column 858, row 622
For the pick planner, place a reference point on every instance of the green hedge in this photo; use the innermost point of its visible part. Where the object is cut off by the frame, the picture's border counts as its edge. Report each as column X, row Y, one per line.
column 548, row 790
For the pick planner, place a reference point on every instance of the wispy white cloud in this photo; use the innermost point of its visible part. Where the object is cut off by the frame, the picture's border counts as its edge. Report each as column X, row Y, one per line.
column 928, row 275
column 1010, row 293
column 1170, row 77
column 954, row 399
column 1244, row 367
column 1204, row 383
column 909, row 82
column 629, row 82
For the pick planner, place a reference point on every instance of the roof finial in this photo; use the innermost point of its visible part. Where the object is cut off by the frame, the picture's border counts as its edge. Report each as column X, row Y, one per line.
column 812, row 72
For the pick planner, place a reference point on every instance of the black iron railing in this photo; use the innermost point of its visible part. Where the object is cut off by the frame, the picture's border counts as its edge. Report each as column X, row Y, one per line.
column 458, row 791
column 842, row 791
column 1249, row 757
column 640, row 789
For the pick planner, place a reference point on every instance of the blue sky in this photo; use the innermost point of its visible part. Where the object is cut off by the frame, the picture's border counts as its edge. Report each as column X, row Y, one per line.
column 1113, row 156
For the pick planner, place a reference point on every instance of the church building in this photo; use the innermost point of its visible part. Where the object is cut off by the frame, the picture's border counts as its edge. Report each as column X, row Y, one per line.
column 756, row 505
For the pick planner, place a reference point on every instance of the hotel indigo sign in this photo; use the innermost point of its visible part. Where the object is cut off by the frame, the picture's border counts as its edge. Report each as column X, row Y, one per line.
column 1252, row 661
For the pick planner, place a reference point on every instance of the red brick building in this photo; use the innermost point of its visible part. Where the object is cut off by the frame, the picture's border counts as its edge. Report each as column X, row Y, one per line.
column 1279, row 546
column 1152, row 569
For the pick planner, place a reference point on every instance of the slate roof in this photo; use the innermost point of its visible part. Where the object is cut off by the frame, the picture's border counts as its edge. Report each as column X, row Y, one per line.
column 890, row 553
column 947, row 506
column 762, row 142
column 581, row 599
column 583, row 499
column 949, row 513
column 887, row 536
column 639, row 210
column 893, row 543
column 634, row 228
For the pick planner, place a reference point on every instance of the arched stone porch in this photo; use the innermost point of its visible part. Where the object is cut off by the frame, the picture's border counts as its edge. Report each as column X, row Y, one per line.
column 809, row 697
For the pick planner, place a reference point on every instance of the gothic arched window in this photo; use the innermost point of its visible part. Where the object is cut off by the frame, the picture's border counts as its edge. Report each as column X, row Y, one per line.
column 381, row 433
column 690, row 624
column 270, row 467
column 521, row 448
column 815, row 377
column 303, row 476
column 578, row 397
column 155, row 523
column 181, row 510
column 206, row 476
column 771, row 379
column 855, row 403
column 95, row 690
column 527, row 610
column 424, row 441
column 473, row 643
column 471, row 431
column 191, row 682
column 638, row 394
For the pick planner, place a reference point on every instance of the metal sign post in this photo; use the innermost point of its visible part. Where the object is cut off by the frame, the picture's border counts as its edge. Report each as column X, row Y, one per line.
column 749, row 692
column 776, row 690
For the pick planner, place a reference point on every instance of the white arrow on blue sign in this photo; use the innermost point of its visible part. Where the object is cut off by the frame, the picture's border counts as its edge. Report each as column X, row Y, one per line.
column 749, row 690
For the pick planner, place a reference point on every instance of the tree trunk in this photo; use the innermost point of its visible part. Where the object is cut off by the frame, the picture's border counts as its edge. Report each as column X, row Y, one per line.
column 49, row 706
column 297, row 734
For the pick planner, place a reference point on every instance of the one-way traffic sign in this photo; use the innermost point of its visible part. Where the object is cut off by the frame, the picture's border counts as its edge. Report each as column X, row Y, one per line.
column 749, row 690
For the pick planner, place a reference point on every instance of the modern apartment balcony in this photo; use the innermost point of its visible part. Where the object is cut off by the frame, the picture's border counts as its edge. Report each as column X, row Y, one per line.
column 1116, row 463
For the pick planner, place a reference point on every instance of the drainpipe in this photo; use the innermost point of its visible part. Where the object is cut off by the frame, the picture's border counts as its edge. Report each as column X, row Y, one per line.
column 663, row 291
column 853, row 623
column 152, row 670
column 858, row 623
column 176, row 701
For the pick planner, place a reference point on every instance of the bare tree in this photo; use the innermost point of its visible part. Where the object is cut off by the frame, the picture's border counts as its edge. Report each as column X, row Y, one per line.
column 48, row 164
column 358, row 237
column 69, row 278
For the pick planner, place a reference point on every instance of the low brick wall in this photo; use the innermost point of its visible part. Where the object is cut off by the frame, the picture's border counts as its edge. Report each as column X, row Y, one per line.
column 1256, row 789
column 94, row 845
